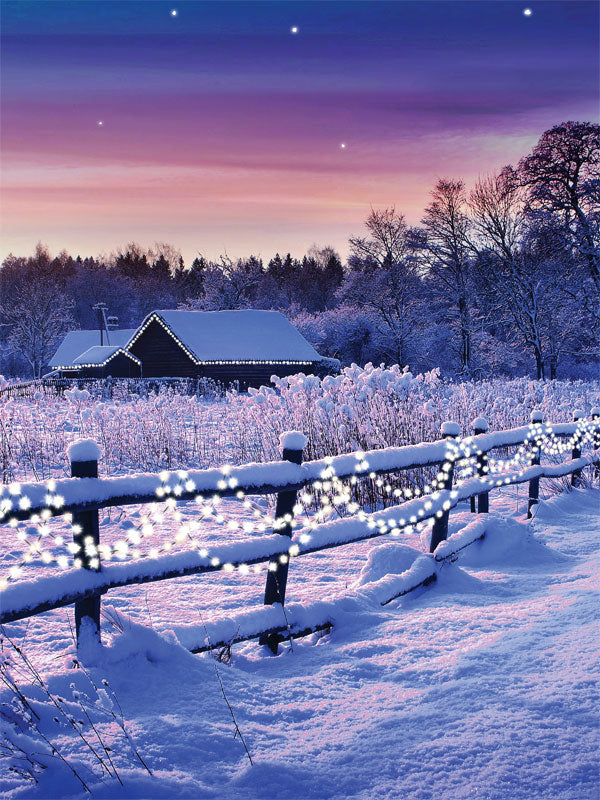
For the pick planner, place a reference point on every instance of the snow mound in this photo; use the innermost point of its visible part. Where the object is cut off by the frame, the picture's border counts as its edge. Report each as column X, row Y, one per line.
column 510, row 543
column 389, row 559
column 480, row 424
column 293, row 440
column 450, row 429
column 83, row 450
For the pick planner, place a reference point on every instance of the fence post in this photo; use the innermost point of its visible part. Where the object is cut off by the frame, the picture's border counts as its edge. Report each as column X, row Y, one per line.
column 576, row 452
column 292, row 445
column 595, row 412
column 480, row 425
column 450, row 430
column 537, row 417
column 84, row 454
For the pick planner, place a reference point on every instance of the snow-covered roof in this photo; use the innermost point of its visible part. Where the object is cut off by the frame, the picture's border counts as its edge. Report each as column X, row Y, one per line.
column 77, row 342
column 99, row 355
column 246, row 335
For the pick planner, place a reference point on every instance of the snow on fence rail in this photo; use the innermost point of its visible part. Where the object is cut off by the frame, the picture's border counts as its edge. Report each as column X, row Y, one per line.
column 74, row 495
column 84, row 494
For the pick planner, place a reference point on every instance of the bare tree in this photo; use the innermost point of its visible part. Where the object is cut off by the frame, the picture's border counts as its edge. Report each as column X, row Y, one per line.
column 38, row 314
column 393, row 298
column 445, row 249
column 515, row 289
column 384, row 281
column 386, row 243
column 229, row 285
column 169, row 253
column 562, row 176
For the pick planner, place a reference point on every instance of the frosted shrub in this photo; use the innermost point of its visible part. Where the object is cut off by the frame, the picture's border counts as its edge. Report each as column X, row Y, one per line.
column 361, row 408
column 372, row 407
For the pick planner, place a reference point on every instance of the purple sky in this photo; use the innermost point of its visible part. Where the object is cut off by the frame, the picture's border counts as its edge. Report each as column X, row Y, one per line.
column 222, row 129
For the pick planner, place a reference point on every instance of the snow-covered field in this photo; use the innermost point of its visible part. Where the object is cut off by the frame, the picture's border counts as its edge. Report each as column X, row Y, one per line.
column 360, row 409
column 483, row 685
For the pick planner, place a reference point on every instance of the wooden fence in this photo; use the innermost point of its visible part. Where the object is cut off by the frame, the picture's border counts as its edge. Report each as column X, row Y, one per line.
column 84, row 494
column 113, row 387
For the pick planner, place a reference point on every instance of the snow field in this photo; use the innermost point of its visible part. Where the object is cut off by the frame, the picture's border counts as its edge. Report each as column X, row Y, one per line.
column 361, row 409
column 483, row 685
column 436, row 694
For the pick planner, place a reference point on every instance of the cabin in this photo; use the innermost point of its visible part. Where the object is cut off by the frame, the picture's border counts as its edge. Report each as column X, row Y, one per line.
column 99, row 348
column 246, row 346
column 243, row 347
column 108, row 362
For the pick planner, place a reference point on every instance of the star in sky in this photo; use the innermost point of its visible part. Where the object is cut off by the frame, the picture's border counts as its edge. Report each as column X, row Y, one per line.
column 527, row 12
column 174, row 12
column 100, row 123
column 294, row 29
column 343, row 146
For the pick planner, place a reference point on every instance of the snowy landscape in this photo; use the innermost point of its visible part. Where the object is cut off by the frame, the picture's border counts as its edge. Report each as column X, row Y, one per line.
column 300, row 400
column 482, row 686
column 426, row 691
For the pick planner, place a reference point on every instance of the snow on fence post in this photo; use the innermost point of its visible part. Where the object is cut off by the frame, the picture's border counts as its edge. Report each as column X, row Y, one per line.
column 596, row 435
column 537, row 417
column 292, row 445
column 450, row 430
column 83, row 455
column 576, row 452
column 480, row 425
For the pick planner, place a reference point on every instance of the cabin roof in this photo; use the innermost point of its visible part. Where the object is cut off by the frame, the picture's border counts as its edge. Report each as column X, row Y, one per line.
column 76, row 343
column 245, row 335
column 99, row 355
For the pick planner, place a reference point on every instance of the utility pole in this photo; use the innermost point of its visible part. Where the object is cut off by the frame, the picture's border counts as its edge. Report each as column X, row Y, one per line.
column 105, row 324
column 101, row 309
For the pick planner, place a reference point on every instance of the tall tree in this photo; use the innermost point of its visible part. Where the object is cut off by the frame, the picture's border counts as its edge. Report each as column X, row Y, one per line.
column 562, row 176
column 519, row 291
column 384, row 280
column 161, row 270
column 446, row 251
column 39, row 314
column 132, row 263
column 385, row 243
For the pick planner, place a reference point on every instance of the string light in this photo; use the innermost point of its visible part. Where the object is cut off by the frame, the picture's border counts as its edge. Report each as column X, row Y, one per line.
column 119, row 351
column 459, row 452
column 156, row 318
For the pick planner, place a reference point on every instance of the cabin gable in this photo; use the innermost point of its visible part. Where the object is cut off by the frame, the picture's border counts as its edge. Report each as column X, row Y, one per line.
column 161, row 355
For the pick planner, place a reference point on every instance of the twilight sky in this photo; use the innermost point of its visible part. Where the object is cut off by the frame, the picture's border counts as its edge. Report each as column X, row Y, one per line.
column 223, row 130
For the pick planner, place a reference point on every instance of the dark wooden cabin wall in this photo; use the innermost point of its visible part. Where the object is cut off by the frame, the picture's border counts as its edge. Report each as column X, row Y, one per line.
column 161, row 356
column 118, row 367
column 121, row 367
column 251, row 374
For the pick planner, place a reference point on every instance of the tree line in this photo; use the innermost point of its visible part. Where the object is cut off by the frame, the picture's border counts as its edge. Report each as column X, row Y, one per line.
column 501, row 279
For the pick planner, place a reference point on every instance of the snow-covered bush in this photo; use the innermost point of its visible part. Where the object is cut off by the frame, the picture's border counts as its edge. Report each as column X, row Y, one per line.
column 360, row 408
column 372, row 407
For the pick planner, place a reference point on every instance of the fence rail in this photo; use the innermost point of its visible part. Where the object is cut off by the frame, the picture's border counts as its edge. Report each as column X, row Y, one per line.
column 84, row 494
column 256, row 479
column 108, row 386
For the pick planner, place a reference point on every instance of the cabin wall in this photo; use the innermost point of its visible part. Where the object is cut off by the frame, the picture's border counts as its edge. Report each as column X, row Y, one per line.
column 251, row 374
column 118, row 367
column 121, row 367
column 161, row 356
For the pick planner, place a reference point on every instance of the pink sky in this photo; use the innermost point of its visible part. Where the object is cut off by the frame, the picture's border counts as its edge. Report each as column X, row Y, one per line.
column 223, row 131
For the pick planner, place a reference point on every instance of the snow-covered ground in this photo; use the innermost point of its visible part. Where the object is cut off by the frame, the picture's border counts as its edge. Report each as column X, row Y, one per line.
column 483, row 685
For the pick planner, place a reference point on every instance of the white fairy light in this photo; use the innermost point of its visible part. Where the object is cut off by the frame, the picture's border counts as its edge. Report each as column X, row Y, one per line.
column 540, row 436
